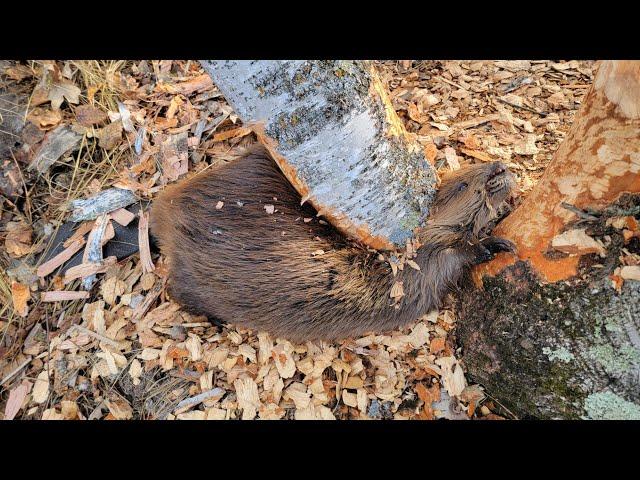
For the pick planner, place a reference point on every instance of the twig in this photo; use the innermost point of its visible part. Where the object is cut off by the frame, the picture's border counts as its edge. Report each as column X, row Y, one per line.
column 193, row 401
column 103, row 202
column 577, row 211
column 48, row 267
column 453, row 84
column 523, row 107
column 141, row 309
column 91, row 333
column 143, row 243
column 62, row 295
column 11, row 374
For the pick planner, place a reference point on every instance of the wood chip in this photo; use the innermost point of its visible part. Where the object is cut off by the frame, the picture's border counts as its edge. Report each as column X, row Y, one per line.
column 630, row 272
column 40, row 391
column 122, row 216
column 85, row 269
column 62, row 295
column 143, row 242
column 233, row 133
column 20, row 295
column 576, row 242
column 248, row 398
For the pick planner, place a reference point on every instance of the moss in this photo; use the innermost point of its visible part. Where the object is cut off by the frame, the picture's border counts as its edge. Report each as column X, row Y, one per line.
column 609, row 406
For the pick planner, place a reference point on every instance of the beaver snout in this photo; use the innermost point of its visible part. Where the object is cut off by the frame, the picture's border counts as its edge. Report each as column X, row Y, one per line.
column 497, row 169
column 499, row 178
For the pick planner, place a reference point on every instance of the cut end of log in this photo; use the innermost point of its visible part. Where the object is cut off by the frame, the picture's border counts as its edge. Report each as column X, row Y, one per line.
column 358, row 232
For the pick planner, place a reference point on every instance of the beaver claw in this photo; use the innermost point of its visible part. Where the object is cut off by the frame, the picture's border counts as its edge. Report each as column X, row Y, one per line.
column 488, row 247
column 497, row 244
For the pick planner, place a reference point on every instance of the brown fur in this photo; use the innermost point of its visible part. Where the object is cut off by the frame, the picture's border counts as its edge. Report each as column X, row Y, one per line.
column 241, row 265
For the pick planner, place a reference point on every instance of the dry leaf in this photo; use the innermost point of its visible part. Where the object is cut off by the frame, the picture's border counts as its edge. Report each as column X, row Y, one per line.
column 15, row 400
column 64, row 89
column 41, row 388
column 18, row 239
column 109, row 137
column 234, row 133
column 119, row 408
column 21, row 295
column 89, row 115
column 44, row 118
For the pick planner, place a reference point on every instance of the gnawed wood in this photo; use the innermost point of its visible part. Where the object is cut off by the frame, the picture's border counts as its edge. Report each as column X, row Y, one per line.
column 599, row 160
column 93, row 249
column 122, row 216
column 62, row 295
column 143, row 242
column 336, row 137
column 86, row 269
column 550, row 334
column 49, row 266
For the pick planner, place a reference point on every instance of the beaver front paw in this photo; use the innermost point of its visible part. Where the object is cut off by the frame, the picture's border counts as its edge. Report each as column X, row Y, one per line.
column 488, row 247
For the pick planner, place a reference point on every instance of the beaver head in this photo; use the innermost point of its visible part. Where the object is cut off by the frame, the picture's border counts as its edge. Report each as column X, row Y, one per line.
column 468, row 199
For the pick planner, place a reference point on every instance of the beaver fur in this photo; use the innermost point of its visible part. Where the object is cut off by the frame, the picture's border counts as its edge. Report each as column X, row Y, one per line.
column 298, row 278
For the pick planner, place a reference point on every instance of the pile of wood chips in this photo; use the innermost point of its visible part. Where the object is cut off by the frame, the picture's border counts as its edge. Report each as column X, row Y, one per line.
column 123, row 349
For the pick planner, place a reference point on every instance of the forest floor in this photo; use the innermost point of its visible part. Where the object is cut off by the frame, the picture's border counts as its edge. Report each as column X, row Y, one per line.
column 125, row 350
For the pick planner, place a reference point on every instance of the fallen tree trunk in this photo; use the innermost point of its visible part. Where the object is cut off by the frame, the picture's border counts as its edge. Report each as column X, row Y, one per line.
column 336, row 137
column 547, row 334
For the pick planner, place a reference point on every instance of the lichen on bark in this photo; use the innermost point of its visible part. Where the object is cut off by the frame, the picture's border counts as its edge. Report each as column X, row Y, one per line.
column 336, row 137
column 557, row 350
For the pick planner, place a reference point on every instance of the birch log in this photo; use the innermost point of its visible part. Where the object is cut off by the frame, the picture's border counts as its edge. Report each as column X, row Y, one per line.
column 548, row 335
column 333, row 132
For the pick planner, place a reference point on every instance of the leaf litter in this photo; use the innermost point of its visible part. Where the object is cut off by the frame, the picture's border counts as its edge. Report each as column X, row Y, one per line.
column 124, row 350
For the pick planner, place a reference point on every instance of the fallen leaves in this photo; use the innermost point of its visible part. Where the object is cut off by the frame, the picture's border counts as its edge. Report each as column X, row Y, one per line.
column 109, row 136
column 88, row 115
column 21, row 295
column 234, row 133
column 119, row 409
column 18, row 240
column 131, row 328
column 15, row 400
column 61, row 91
column 40, row 391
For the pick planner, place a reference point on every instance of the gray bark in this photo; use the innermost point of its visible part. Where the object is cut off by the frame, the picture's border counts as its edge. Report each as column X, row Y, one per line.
column 337, row 140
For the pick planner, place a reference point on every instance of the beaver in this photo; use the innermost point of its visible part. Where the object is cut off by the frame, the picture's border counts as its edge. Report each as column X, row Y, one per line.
column 264, row 261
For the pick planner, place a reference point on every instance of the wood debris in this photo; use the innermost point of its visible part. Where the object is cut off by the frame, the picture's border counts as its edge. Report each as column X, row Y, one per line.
column 125, row 350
